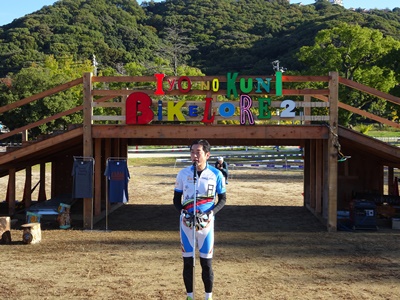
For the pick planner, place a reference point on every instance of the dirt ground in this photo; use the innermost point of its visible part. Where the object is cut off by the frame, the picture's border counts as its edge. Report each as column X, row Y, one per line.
column 268, row 246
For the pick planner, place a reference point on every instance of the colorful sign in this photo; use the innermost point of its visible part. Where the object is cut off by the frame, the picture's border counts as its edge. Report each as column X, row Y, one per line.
column 140, row 108
column 255, row 85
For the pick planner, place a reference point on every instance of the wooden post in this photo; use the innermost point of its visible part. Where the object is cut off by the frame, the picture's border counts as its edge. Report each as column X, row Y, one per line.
column 11, row 191
column 27, row 197
column 390, row 182
column 307, row 109
column 319, row 176
column 97, row 176
column 306, row 175
column 115, row 147
column 124, row 148
column 107, row 154
column 42, row 186
column 325, row 183
column 312, row 173
column 87, row 142
column 333, row 143
column 214, row 99
column 24, row 137
column 123, row 108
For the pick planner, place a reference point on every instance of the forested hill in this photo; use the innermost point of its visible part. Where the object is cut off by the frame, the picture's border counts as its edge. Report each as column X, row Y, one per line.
column 219, row 36
column 113, row 30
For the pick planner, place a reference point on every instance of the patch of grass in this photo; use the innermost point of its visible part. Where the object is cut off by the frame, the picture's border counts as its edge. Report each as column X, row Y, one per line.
column 383, row 133
column 365, row 128
column 378, row 131
column 151, row 161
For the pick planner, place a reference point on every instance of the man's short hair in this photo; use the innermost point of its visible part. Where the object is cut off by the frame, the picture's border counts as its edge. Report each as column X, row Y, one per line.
column 204, row 143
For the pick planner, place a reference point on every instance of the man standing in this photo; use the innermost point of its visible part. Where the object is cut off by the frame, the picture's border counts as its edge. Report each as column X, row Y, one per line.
column 208, row 188
column 221, row 165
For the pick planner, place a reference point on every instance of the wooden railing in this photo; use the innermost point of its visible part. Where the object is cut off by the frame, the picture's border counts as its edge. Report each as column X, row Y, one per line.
column 101, row 96
column 41, row 95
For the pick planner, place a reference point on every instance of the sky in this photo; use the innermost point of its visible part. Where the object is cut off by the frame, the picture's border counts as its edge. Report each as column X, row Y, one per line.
column 13, row 9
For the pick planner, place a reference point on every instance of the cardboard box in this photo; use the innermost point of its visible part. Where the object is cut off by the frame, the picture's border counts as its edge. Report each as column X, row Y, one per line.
column 32, row 217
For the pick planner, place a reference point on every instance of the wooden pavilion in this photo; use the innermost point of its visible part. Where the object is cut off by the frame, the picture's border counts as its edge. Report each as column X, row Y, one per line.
column 228, row 114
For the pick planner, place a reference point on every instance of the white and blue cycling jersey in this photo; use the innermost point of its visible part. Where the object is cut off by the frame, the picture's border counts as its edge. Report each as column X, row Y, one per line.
column 210, row 183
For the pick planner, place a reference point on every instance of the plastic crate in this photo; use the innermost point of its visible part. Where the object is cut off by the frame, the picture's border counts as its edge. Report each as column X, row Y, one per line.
column 396, row 223
column 363, row 215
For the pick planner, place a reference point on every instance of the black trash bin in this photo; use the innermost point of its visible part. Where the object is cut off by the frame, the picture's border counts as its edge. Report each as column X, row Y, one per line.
column 363, row 215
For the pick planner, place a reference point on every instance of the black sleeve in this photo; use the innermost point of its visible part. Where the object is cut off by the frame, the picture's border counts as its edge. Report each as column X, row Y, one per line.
column 220, row 204
column 225, row 167
column 178, row 200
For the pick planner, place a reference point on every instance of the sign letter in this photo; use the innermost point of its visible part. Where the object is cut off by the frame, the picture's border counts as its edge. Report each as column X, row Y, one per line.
column 245, row 105
column 175, row 110
column 138, row 109
column 278, row 83
column 231, row 86
column 159, row 79
column 189, row 84
column 208, row 115
column 263, row 108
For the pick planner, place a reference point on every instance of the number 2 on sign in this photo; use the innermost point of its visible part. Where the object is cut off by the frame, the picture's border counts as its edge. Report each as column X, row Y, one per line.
column 289, row 106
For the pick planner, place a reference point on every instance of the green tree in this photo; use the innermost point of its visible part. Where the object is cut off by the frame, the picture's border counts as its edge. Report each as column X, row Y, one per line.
column 355, row 52
column 38, row 78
